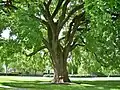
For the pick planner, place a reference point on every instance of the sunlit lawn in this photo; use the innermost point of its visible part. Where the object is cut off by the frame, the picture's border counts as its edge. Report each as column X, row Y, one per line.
column 39, row 83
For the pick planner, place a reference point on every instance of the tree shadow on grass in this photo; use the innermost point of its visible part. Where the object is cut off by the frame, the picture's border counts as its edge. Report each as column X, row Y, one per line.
column 82, row 85
column 103, row 85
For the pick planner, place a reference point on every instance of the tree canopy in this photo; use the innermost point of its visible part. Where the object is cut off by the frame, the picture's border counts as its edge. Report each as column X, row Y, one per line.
column 85, row 30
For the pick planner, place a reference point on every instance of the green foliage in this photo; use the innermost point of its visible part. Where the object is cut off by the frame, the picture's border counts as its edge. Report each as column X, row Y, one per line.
column 26, row 29
column 28, row 32
column 33, row 64
column 102, row 47
column 102, row 40
column 84, row 61
column 7, row 50
column 3, row 22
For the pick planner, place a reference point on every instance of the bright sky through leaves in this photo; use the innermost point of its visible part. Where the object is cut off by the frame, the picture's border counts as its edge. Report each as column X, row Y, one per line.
column 5, row 34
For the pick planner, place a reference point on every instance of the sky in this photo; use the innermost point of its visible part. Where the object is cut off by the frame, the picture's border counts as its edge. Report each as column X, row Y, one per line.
column 6, row 33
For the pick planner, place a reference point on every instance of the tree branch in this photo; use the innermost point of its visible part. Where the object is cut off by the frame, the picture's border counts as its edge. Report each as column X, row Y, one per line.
column 75, row 45
column 41, row 20
column 37, row 50
column 62, row 16
column 70, row 14
column 61, row 38
column 73, row 27
column 48, row 15
column 57, row 8
column 49, row 2
column 100, row 61
column 96, row 57
column 47, row 44
column 69, row 31
column 49, row 19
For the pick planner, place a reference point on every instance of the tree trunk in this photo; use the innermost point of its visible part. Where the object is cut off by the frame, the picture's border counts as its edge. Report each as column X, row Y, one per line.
column 35, row 72
column 60, row 68
column 60, row 74
column 6, row 71
column 6, row 68
column 59, row 56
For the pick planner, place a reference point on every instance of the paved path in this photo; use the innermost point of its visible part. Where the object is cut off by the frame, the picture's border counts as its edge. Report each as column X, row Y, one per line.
column 29, row 78
column 97, row 79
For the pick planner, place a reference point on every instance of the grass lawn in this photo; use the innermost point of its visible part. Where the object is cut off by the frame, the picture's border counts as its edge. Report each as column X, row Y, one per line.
column 40, row 83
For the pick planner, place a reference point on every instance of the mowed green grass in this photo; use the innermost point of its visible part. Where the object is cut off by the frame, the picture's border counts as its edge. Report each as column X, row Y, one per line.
column 40, row 83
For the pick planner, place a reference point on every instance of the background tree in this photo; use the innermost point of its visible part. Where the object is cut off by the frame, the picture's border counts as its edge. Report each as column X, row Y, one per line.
column 104, row 33
column 8, row 47
column 101, row 51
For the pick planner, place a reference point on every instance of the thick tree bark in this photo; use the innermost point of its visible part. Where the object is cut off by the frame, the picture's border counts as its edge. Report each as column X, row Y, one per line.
column 60, row 70
column 60, row 76
column 59, row 61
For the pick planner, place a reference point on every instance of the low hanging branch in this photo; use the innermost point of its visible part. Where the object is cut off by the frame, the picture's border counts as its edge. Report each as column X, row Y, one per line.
column 73, row 46
column 47, row 44
column 35, row 51
column 39, row 19
column 102, row 63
